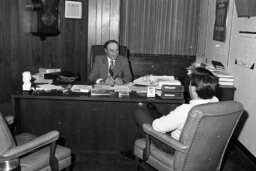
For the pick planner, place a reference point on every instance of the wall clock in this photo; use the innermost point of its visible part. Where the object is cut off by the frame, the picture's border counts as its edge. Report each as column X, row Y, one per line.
column 45, row 19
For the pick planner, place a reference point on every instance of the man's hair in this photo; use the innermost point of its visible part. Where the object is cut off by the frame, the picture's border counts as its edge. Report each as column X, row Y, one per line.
column 110, row 41
column 204, row 81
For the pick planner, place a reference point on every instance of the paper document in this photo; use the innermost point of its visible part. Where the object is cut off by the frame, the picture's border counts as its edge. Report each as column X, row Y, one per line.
column 116, row 88
column 157, row 81
column 48, row 87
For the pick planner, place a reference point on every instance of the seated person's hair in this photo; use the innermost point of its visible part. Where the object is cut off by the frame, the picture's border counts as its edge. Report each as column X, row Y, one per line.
column 110, row 41
column 204, row 81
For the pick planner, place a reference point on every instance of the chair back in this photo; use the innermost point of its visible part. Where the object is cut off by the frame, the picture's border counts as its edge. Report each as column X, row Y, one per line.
column 6, row 138
column 207, row 132
column 99, row 50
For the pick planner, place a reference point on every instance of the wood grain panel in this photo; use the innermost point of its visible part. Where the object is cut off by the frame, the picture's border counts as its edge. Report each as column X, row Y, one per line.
column 115, row 19
column 105, row 20
column 98, row 19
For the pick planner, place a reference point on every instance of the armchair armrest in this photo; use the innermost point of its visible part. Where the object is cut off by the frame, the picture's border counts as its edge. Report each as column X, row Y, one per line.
column 38, row 142
column 171, row 142
column 165, row 138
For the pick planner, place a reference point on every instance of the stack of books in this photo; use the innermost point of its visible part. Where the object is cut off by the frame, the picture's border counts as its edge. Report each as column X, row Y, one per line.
column 224, row 78
column 49, row 70
column 171, row 92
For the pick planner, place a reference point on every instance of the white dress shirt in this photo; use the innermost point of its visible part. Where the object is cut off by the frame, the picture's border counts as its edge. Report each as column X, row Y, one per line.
column 176, row 119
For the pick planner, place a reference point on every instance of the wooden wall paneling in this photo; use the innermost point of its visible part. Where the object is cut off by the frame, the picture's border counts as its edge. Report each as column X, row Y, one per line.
column 92, row 15
column 6, row 109
column 99, row 7
column 13, row 71
column 105, row 22
column 7, row 74
column 84, row 41
column 114, row 19
column 2, row 59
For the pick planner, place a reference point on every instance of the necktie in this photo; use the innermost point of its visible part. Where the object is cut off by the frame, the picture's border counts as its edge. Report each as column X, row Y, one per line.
column 111, row 67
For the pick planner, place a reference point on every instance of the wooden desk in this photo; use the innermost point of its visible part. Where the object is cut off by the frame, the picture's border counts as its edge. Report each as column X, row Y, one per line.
column 102, row 124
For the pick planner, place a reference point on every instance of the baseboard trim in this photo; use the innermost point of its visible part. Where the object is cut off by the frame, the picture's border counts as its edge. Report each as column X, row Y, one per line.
column 244, row 150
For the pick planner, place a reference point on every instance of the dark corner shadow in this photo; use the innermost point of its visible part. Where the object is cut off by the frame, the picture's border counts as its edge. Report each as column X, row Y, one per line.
column 233, row 140
column 61, row 141
column 240, row 124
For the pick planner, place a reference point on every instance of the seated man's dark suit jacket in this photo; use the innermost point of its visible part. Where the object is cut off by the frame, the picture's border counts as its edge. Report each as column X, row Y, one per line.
column 100, row 69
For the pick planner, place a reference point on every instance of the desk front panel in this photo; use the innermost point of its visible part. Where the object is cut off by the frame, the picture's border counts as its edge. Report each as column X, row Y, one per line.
column 84, row 125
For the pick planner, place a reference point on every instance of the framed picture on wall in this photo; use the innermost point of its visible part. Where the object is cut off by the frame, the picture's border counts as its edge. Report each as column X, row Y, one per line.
column 219, row 32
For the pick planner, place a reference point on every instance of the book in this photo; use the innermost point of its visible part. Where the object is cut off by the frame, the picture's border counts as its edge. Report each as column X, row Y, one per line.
column 222, row 79
column 172, row 88
column 49, row 70
column 169, row 95
column 222, row 74
column 226, row 83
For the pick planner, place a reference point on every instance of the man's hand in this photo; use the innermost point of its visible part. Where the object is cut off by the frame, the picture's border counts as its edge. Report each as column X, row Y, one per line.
column 119, row 81
column 110, row 81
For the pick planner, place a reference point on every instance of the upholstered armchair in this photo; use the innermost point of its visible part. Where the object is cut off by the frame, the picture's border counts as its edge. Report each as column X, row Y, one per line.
column 202, row 143
column 33, row 153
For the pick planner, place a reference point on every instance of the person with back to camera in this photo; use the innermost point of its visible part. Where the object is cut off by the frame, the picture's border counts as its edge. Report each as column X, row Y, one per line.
column 110, row 68
column 202, row 85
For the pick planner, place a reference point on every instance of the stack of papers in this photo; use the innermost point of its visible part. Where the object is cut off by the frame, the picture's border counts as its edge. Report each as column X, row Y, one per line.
column 81, row 88
column 48, row 87
column 224, row 78
column 156, row 81
column 116, row 88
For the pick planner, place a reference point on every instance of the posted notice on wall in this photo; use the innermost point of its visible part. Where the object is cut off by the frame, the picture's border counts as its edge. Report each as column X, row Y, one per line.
column 73, row 9
column 219, row 32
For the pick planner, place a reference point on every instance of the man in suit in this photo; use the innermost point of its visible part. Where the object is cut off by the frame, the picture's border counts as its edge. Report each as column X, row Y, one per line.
column 110, row 68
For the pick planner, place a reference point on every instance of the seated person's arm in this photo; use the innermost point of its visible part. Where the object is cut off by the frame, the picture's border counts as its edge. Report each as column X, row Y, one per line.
column 171, row 121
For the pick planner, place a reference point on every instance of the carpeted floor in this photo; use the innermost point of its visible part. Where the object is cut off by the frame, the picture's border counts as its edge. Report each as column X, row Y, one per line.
column 234, row 161
column 103, row 162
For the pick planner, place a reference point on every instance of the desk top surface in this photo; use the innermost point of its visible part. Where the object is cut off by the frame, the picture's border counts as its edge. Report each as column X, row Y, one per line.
column 133, row 97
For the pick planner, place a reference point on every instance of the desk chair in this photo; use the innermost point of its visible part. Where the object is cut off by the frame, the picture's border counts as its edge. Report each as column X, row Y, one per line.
column 202, row 143
column 33, row 153
column 99, row 50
